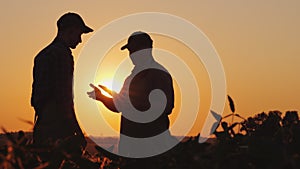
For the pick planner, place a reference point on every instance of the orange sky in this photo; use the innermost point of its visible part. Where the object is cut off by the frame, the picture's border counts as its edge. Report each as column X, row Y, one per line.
column 257, row 42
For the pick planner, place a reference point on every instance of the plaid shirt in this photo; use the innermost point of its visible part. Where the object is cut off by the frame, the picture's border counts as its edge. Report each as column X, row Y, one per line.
column 53, row 76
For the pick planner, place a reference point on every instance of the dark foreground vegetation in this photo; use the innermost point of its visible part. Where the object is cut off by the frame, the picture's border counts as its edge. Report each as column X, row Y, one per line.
column 265, row 141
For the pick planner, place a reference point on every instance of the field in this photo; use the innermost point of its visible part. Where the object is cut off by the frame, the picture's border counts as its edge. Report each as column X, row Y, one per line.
column 265, row 141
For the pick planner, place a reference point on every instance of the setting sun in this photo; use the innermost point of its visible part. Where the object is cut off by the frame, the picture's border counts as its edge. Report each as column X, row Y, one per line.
column 111, row 85
column 258, row 47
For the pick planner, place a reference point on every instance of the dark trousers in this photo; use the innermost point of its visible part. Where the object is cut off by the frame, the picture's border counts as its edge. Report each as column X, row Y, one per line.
column 55, row 121
column 57, row 130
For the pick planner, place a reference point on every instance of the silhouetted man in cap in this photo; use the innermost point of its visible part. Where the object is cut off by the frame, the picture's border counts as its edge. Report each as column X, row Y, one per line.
column 52, row 88
column 146, row 76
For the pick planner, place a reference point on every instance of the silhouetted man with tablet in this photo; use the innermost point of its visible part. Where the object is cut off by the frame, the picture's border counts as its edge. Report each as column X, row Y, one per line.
column 141, row 117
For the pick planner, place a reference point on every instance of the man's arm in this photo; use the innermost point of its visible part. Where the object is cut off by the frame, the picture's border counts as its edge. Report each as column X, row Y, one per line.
column 42, row 86
column 97, row 95
column 163, row 81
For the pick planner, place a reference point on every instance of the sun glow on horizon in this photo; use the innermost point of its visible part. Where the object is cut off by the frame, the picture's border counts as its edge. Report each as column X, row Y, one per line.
column 111, row 84
column 116, row 66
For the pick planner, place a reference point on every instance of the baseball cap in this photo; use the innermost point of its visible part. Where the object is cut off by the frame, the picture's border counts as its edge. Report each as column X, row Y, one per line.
column 72, row 19
column 139, row 40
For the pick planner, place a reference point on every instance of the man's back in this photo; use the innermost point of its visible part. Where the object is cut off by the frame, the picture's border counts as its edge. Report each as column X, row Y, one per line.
column 53, row 75
column 52, row 89
column 139, row 90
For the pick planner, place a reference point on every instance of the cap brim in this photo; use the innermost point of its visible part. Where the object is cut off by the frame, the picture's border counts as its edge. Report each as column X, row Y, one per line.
column 124, row 47
column 87, row 29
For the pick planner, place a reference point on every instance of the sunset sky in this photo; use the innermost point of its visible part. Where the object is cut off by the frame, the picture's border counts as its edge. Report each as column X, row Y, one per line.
column 257, row 41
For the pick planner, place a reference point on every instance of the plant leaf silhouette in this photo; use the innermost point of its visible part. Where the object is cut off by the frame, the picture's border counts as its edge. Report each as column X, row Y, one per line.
column 237, row 115
column 231, row 104
column 26, row 121
column 216, row 115
column 9, row 136
column 214, row 127
column 232, row 126
column 227, row 116
column 224, row 126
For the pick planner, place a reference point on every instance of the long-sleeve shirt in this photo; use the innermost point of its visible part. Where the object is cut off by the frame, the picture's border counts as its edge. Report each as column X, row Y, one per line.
column 53, row 76
column 136, row 90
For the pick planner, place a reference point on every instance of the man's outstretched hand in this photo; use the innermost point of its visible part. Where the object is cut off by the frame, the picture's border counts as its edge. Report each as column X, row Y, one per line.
column 107, row 90
column 96, row 93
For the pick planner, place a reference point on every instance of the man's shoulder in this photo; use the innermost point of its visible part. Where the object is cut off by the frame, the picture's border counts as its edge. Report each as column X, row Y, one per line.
column 159, row 71
column 50, row 51
column 154, row 76
column 43, row 54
